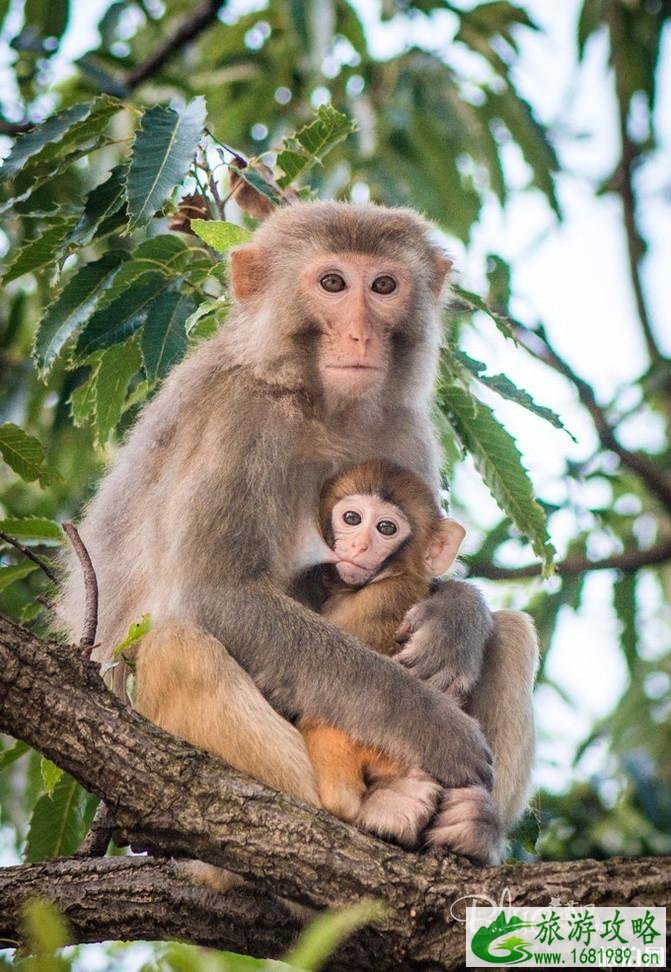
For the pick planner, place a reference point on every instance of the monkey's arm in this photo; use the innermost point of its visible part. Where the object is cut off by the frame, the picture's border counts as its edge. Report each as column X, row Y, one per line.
column 306, row 667
column 445, row 637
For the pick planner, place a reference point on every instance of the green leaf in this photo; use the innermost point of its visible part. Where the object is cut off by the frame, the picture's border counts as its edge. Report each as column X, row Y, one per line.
column 25, row 455
column 40, row 252
column 56, row 825
column 45, row 932
column 104, row 209
column 51, row 775
column 164, row 336
column 32, row 528
column 592, row 16
column 476, row 303
column 625, row 604
column 166, row 254
column 83, row 401
column 256, row 179
column 82, row 132
column 124, row 316
column 50, row 132
column 326, row 932
column 117, row 367
column 310, row 144
column 73, row 307
column 162, row 153
column 504, row 387
column 499, row 462
column 10, row 756
column 136, row 631
column 220, row 234
column 15, row 572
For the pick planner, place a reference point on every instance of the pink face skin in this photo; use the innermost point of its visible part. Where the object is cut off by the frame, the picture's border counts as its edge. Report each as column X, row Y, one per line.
column 357, row 300
column 366, row 530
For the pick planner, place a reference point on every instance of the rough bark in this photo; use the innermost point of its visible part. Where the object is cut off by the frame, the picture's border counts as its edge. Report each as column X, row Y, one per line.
column 165, row 793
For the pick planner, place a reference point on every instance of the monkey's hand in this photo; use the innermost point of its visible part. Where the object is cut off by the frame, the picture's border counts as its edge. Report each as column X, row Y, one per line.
column 444, row 638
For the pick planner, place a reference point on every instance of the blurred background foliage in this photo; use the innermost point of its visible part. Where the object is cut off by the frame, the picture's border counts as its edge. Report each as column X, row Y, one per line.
column 443, row 129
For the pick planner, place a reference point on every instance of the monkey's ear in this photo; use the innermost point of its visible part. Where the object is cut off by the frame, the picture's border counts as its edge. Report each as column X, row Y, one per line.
column 442, row 266
column 248, row 267
column 444, row 546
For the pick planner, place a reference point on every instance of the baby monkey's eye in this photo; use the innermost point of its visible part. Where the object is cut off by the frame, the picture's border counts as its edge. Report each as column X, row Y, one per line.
column 387, row 528
column 351, row 518
column 333, row 283
column 384, row 284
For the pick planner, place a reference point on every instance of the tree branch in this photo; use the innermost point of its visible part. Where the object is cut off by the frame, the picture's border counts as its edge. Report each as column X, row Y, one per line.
column 629, row 560
column 537, row 344
column 27, row 552
column 136, row 898
column 165, row 793
column 188, row 30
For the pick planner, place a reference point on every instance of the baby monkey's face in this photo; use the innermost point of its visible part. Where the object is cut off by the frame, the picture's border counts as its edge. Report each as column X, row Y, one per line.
column 366, row 530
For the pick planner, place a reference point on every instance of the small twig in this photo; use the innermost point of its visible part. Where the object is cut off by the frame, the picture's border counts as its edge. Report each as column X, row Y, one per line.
column 90, row 587
column 30, row 555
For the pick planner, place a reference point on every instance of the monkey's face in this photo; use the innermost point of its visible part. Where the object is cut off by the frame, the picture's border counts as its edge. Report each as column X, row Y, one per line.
column 357, row 301
column 367, row 531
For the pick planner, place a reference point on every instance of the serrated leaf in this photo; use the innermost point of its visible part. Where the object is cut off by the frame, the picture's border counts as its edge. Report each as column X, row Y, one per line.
column 32, row 528
column 56, row 825
column 50, row 132
column 40, row 252
column 166, row 254
column 256, row 179
column 83, row 401
column 82, row 132
column 73, row 307
column 310, row 144
column 51, row 775
column 220, row 234
column 25, row 455
column 10, row 756
column 164, row 338
column 15, row 572
column 105, row 206
column 499, row 462
column 476, row 302
column 117, row 367
column 136, row 631
column 504, row 387
column 124, row 316
column 162, row 153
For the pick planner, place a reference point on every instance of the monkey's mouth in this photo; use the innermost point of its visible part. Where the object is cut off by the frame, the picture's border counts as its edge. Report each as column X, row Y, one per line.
column 353, row 367
column 353, row 574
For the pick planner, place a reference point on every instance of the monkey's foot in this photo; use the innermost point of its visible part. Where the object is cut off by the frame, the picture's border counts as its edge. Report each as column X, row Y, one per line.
column 468, row 824
column 400, row 808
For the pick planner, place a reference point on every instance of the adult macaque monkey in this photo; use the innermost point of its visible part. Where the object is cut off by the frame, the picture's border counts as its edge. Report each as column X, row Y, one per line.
column 328, row 358
column 390, row 538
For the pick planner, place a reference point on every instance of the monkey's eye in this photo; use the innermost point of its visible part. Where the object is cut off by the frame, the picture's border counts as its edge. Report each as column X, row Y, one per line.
column 384, row 284
column 387, row 528
column 333, row 283
column 351, row 518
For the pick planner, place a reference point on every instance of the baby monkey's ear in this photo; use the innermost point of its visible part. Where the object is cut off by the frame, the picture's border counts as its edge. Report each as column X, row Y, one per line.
column 444, row 546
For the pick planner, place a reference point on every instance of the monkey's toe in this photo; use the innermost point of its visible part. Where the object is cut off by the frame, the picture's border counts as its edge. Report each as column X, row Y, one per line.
column 468, row 824
column 399, row 809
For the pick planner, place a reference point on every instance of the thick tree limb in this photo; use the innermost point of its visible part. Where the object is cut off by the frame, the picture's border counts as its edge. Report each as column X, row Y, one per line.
column 166, row 793
column 188, row 30
column 629, row 560
column 141, row 898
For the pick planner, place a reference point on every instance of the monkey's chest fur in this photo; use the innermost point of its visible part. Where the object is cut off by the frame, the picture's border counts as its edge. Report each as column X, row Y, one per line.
column 373, row 613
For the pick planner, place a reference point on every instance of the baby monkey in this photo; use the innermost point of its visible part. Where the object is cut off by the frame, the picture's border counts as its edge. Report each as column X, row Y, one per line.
column 391, row 540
